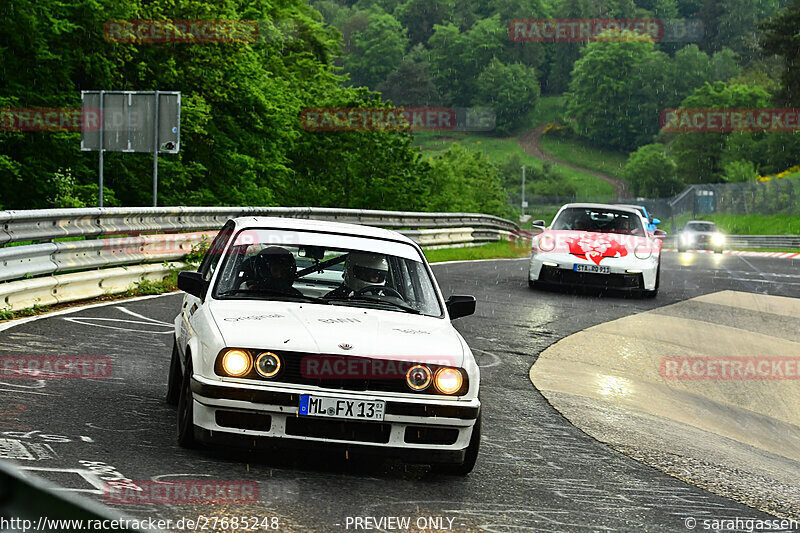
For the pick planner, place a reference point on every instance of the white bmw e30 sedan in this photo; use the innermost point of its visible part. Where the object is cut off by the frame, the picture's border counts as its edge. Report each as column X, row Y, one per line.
column 324, row 334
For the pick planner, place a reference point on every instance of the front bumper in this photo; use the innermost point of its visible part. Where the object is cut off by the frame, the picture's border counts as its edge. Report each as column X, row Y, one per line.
column 700, row 242
column 414, row 430
column 625, row 274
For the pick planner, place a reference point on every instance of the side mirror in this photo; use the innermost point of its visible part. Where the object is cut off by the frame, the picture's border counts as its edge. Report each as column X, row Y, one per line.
column 656, row 221
column 539, row 224
column 192, row 283
column 660, row 233
column 458, row 306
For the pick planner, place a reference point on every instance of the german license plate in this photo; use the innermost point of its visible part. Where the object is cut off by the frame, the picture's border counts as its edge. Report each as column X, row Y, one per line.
column 595, row 269
column 341, row 408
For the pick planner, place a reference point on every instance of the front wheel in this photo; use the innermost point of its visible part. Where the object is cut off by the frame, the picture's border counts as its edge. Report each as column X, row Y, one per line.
column 186, row 409
column 470, row 457
column 174, row 380
column 531, row 284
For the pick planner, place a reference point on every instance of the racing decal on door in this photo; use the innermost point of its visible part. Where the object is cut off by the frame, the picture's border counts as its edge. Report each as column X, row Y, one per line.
column 595, row 247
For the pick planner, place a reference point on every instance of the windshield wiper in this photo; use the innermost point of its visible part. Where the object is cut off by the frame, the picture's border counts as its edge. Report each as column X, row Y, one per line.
column 273, row 292
column 404, row 307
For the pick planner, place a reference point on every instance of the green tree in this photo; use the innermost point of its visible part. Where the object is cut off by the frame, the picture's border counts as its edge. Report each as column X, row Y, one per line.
column 734, row 24
column 411, row 83
column 564, row 55
column 420, row 17
column 699, row 156
column 617, row 92
column 375, row 51
column 724, row 65
column 665, row 9
column 457, row 59
column 511, row 90
column 781, row 38
column 242, row 141
column 650, row 172
column 692, row 69
column 739, row 171
column 465, row 181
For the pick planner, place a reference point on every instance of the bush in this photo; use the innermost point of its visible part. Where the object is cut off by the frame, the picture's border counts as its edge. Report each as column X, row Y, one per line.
column 739, row 171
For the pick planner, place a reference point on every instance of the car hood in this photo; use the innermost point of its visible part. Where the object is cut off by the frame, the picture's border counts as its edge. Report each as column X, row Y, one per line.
column 336, row 329
column 589, row 245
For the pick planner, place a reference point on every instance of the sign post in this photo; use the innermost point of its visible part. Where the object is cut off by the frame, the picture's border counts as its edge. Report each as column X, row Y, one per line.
column 100, row 144
column 133, row 121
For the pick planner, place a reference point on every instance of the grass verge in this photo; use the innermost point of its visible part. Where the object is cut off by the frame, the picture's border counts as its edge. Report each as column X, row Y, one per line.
column 494, row 250
column 141, row 288
column 500, row 149
column 748, row 224
column 584, row 155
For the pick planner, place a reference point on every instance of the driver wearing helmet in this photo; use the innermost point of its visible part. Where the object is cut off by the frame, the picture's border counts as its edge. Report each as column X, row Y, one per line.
column 274, row 269
column 361, row 270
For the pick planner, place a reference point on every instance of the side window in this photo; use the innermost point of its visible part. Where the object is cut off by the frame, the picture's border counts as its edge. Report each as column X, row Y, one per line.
column 214, row 254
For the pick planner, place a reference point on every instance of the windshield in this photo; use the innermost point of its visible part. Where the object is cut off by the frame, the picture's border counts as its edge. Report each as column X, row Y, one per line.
column 598, row 220
column 286, row 266
column 701, row 226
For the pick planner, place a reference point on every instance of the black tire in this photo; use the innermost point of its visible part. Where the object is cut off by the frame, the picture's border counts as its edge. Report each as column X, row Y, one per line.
column 186, row 409
column 470, row 457
column 718, row 251
column 531, row 284
column 174, row 380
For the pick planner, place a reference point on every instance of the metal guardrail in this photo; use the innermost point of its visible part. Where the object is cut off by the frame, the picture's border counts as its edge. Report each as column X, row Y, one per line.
column 736, row 242
column 122, row 246
column 44, row 225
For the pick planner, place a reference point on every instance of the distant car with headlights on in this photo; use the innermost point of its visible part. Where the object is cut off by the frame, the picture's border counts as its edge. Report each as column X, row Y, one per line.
column 597, row 246
column 324, row 335
column 701, row 235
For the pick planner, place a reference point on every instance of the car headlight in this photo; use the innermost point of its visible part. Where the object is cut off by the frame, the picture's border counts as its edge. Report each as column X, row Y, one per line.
column 419, row 377
column 546, row 243
column 718, row 239
column 642, row 252
column 268, row 364
column 448, row 380
column 236, row 363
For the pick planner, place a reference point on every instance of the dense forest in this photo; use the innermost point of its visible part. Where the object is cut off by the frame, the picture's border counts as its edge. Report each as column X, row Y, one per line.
column 241, row 136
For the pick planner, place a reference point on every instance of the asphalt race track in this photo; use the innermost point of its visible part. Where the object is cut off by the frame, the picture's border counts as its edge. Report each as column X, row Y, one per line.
column 535, row 472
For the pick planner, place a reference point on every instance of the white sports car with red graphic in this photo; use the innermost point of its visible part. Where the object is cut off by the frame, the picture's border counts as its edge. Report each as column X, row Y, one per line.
column 600, row 246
